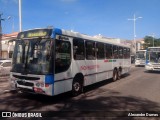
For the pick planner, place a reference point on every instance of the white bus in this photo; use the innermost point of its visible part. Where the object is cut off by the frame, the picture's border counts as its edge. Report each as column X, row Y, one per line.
column 153, row 59
column 54, row 61
column 140, row 58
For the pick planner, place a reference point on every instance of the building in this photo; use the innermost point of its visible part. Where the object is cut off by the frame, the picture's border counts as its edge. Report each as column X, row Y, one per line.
column 140, row 44
column 8, row 43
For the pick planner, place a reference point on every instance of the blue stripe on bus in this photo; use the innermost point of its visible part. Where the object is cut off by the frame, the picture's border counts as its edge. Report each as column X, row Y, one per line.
column 147, row 61
column 56, row 31
column 49, row 79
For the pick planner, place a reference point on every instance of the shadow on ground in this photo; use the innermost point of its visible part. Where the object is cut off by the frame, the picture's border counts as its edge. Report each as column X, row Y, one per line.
column 95, row 102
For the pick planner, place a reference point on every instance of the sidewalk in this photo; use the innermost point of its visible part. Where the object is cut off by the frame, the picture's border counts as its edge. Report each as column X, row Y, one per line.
column 4, row 84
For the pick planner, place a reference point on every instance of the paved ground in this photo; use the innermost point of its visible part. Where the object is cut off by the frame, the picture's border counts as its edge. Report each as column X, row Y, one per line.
column 4, row 84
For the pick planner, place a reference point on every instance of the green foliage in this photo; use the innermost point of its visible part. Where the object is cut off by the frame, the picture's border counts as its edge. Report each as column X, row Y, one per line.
column 150, row 41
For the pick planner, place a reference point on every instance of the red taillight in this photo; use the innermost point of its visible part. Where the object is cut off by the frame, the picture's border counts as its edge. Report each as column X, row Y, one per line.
column 46, row 85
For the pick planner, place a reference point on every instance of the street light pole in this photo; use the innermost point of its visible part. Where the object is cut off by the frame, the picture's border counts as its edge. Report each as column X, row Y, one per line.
column 153, row 40
column 1, row 35
column 134, row 29
column 20, row 16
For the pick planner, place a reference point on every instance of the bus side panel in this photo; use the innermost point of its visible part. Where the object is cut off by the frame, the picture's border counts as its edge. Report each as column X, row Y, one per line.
column 62, row 86
column 126, row 65
column 87, row 68
column 105, row 67
column 63, row 81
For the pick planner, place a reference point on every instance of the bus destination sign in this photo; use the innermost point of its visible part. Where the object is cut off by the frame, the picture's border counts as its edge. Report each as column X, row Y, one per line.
column 35, row 33
column 154, row 49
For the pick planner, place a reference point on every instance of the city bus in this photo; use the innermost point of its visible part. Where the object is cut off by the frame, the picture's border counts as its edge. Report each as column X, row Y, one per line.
column 53, row 61
column 153, row 59
column 140, row 58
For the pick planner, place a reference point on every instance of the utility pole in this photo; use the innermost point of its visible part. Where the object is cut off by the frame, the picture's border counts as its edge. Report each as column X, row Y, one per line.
column 20, row 15
column 1, row 35
column 134, row 29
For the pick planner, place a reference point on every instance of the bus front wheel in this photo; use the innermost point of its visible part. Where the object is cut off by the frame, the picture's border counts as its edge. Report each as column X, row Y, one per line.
column 77, row 87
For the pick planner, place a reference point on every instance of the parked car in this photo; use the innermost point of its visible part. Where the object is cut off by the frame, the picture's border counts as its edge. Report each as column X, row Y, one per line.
column 5, row 67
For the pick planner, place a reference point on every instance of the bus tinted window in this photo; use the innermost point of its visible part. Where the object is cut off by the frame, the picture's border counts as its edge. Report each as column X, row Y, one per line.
column 90, row 50
column 108, row 50
column 63, row 56
column 128, row 53
column 115, row 52
column 120, row 51
column 100, row 50
column 124, row 53
column 78, row 49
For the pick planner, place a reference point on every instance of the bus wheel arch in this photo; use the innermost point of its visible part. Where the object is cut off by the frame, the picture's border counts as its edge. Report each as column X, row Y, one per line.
column 115, row 74
column 77, row 84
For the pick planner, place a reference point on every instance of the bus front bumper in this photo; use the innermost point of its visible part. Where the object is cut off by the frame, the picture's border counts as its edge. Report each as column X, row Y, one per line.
column 151, row 68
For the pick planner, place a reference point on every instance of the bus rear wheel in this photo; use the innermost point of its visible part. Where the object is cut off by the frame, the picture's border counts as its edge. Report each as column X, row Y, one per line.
column 77, row 87
column 119, row 74
column 115, row 75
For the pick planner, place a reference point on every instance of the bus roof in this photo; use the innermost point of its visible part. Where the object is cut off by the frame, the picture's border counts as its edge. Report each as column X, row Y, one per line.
column 84, row 36
column 46, row 32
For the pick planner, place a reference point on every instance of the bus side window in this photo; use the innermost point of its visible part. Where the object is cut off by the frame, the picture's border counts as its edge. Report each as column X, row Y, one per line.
column 115, row 52
column 124, row 53
column 90, row 50
column 78, row 49
column 100, row 50
column 120, row 52
column 108, row 50
column 128, row 53
column 62, row 56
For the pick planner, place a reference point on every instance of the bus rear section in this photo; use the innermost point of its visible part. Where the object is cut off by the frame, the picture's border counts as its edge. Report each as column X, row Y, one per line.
column 153, row 59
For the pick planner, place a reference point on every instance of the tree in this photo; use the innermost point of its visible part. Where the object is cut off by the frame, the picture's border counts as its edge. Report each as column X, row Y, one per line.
column 150, row 41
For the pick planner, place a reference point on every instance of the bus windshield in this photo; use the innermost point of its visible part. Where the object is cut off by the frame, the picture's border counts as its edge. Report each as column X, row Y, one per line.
column 154, row 57
column 140, row 55
column 32, row 56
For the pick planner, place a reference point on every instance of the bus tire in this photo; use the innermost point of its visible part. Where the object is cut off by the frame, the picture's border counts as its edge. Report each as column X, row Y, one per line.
column 77, row 87
column 115, row 75
column 119, row 74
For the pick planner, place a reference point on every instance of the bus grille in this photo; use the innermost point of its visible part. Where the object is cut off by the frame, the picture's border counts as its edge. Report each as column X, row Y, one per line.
column 25, row 83
column 26, row 77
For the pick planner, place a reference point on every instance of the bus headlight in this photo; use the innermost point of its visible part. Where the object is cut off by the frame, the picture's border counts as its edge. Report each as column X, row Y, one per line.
column 39, row 84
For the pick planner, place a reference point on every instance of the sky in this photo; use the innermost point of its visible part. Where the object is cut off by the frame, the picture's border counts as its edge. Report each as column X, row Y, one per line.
column 92, row 17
